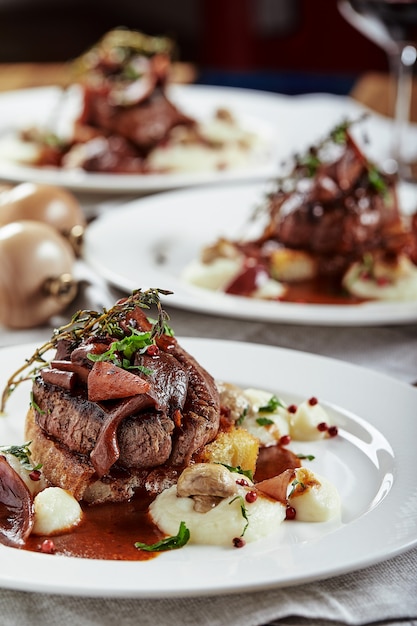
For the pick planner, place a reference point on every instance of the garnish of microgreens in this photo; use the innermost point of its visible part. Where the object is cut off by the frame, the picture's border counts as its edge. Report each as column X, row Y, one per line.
column 85, row 324
column 306, row 165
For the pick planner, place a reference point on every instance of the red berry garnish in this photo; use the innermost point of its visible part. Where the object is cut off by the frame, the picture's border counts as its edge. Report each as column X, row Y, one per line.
column 290, row 513
column 322, row 427
column 333, row 431
column 251, row 496
column 284, row 440
column 292, row 408
column 152, row 350
column 242, row 482
column 238, row 542
column 35, row 475
column 48, row 546
column 312, row 401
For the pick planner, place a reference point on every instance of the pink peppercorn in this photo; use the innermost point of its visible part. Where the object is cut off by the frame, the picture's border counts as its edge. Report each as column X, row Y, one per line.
column 290, row 512
column 333, row 431
column 285, row 440
column 251, row 496
column 48, row 546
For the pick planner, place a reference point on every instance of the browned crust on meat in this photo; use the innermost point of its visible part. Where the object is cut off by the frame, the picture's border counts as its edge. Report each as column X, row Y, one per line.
column 61, row 467
column 74, row 472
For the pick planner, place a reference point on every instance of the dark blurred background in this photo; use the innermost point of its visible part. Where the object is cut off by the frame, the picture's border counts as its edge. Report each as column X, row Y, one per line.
column 291, row 46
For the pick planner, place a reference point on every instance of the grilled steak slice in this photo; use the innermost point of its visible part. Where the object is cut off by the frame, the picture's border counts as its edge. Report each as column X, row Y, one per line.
column 144, row 125
column 76, row 422
column 167, row 425
column 75, row 473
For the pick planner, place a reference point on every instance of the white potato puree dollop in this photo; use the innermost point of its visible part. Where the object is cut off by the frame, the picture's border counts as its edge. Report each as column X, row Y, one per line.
column 314, row 498
column 305, row 420
column 268, row 418
column 266, row 425
column 56, row 510
column 391, row 282
column 34, row 486
column 221, row 524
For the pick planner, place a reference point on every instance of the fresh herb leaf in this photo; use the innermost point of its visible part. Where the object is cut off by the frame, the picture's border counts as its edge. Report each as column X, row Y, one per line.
column 308, row 457
column 85, row 324
column 136, row 342
column 264, row 421
column 241, row 417
column 169, row 543
column 377, row 181
column 243, row 511
column 239, row 470
column 273, row 404
column 23, row 453
column 295, row 483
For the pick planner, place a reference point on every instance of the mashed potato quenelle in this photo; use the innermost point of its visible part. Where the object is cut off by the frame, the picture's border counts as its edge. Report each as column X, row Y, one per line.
column 269, row 418
column 240, row 512
column 220, row 506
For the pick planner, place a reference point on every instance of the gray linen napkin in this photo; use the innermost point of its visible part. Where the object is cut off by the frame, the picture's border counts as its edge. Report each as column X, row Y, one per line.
column 382, row 594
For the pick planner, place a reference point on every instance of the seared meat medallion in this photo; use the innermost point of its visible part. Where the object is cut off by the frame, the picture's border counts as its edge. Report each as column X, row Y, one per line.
column 107, row 448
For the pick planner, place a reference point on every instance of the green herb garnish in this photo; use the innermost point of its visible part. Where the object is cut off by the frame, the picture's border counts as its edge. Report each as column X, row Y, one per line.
column 294, row 485
column 169, row 543
column 273, row 404
column 264, row 421
column 23, row 453
column 307, row 457
column 243, row 511
column 239, row 470
column 135, row 342
column 89, row 324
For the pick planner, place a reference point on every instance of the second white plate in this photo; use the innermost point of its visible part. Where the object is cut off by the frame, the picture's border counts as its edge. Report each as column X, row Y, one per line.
column 148, row 243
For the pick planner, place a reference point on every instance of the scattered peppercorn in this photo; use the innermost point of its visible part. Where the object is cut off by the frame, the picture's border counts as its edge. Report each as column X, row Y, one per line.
column 48, row 546
column 290, row 512
column 251, row 496
column 332, row 431
column 238, row 542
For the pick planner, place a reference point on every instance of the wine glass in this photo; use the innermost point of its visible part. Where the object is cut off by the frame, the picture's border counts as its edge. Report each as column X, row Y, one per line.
column 392, row 24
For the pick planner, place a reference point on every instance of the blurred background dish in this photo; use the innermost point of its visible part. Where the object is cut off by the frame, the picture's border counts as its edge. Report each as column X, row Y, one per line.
column 160, row 257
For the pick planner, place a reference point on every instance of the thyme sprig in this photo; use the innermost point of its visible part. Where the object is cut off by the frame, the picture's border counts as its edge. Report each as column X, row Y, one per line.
column 85, row 324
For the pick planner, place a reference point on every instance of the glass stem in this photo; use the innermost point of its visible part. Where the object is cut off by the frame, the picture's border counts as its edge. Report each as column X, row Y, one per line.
column 403, row 63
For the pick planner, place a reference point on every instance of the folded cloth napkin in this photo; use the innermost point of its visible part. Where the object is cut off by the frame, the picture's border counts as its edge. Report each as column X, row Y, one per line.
column 384, row 594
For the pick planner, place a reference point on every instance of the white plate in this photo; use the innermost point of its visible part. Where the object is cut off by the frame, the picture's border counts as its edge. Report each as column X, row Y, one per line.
column 150, row 241
column 286, row 123
column 372, row 463
column 257, row 111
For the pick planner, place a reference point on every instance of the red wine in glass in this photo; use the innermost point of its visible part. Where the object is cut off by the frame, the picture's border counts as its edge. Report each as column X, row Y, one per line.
column 392, row 24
